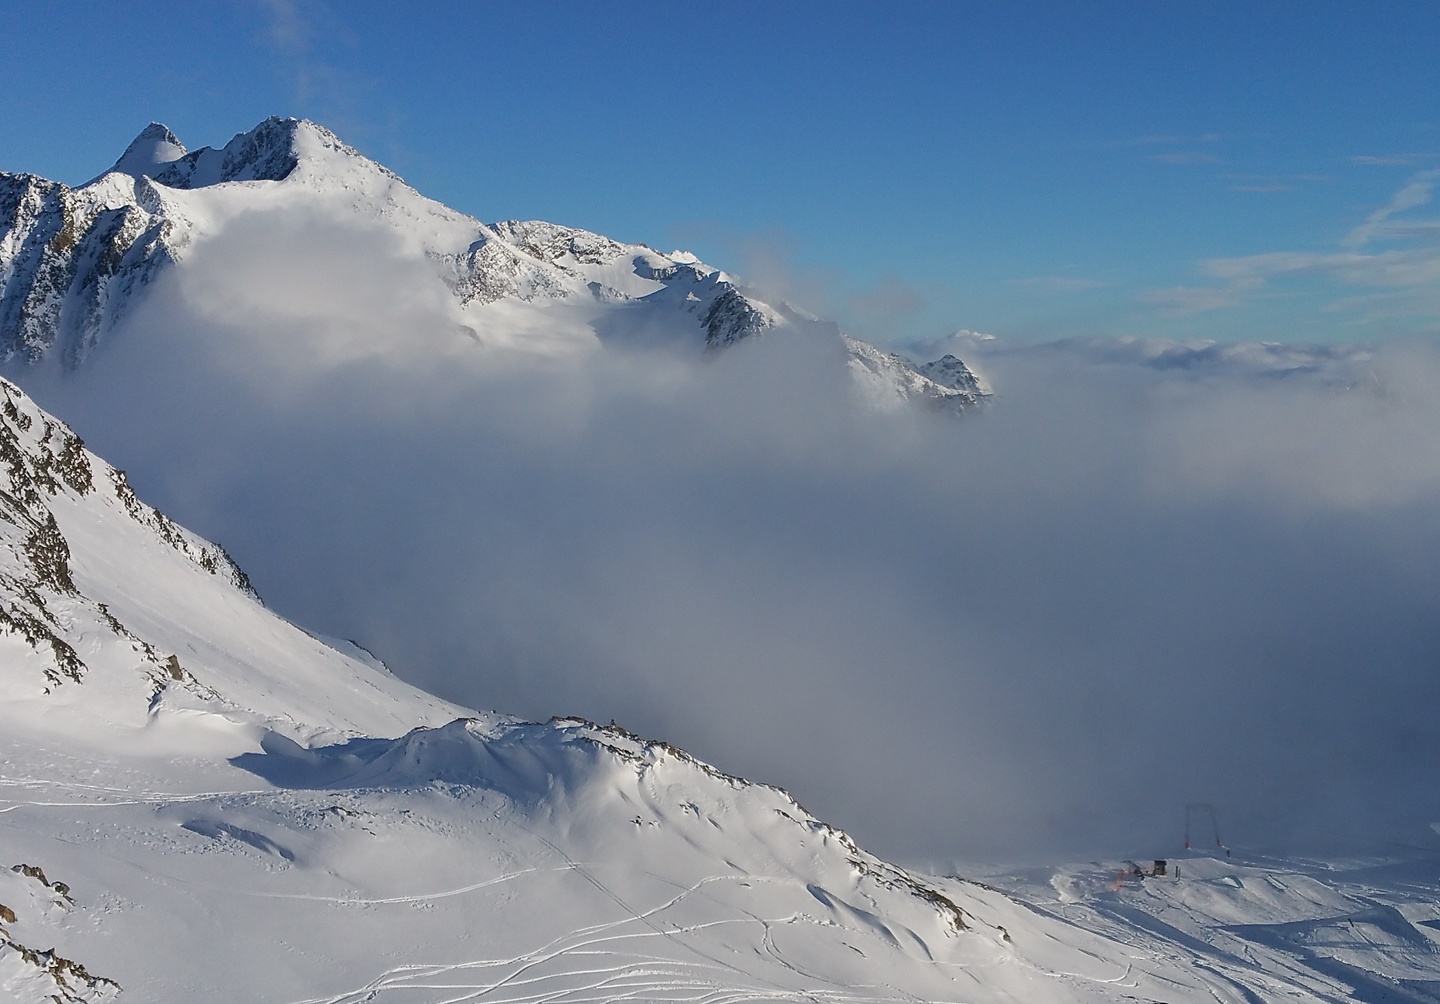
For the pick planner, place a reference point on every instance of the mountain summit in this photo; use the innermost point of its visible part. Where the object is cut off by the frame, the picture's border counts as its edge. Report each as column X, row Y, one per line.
column 149, row 153
column 75, row 261
column 269, row 152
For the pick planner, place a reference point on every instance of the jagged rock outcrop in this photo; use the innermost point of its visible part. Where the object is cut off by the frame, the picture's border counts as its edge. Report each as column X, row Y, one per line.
column 45, row 465
column 890, row 380
column 71, row 260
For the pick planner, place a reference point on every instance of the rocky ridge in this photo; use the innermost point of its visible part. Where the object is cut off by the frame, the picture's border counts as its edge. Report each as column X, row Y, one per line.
column 47, row 464
column 92, row 584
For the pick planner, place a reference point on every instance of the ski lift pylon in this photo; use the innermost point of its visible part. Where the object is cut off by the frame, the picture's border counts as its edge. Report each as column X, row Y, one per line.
column 1202, row 810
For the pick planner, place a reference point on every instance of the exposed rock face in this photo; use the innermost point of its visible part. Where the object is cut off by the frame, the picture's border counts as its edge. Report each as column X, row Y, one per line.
column 44, row 467
column 731, row 317
column 265, row 153
column 70, row 261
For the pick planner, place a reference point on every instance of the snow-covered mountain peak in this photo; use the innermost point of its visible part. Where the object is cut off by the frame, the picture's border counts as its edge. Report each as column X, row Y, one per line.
column 949, row 371
column 155, row 149
column 74, row 261
column 889, row 380
column 272, row 151
column 278, row 149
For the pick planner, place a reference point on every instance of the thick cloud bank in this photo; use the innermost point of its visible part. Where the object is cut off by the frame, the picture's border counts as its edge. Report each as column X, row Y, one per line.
column 1041, row 629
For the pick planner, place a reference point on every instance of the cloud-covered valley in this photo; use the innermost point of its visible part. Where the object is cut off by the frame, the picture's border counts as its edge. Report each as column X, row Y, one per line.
column 1041, row 628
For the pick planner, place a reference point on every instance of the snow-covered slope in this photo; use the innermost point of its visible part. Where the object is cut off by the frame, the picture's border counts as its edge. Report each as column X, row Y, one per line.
column 888, row 380
column 1254, row 927
column 74, row 261
column 119, row 627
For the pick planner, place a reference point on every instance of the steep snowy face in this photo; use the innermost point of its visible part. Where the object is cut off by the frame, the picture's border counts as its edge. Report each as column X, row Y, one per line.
column 115, row 622
column 155, row 149
column 73, row 262
column 951, row 373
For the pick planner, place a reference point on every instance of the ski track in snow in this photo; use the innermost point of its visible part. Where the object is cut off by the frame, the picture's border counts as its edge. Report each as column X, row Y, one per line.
column 639, row 954
column 716, row 978
column 584, row 943
column 426, row 897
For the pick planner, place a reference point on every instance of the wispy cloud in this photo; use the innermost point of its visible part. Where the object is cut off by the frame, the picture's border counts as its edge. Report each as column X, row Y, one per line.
column 1269, row 183
column 1389, row 305
column 1395, row 268
column 304, row 36
column 290, row 29
column 1177, row 140
column 1182, row 152
column 1417, row 192
column 1057, row 285
column 1428, row 230
column 1182, row 301
column 1393, row 160
column 1391, row 252
column 1185, row 158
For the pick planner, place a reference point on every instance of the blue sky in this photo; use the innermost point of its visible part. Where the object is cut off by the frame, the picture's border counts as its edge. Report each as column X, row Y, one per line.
column 1037, row 170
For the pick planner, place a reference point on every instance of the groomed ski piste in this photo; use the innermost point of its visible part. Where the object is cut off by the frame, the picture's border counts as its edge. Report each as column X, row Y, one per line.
column 200, row 801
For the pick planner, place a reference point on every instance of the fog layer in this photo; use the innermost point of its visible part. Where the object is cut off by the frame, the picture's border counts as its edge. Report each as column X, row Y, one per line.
column 1040, row 629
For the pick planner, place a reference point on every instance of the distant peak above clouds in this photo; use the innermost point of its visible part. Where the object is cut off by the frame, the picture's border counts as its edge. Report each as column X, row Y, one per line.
column 269, row 152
